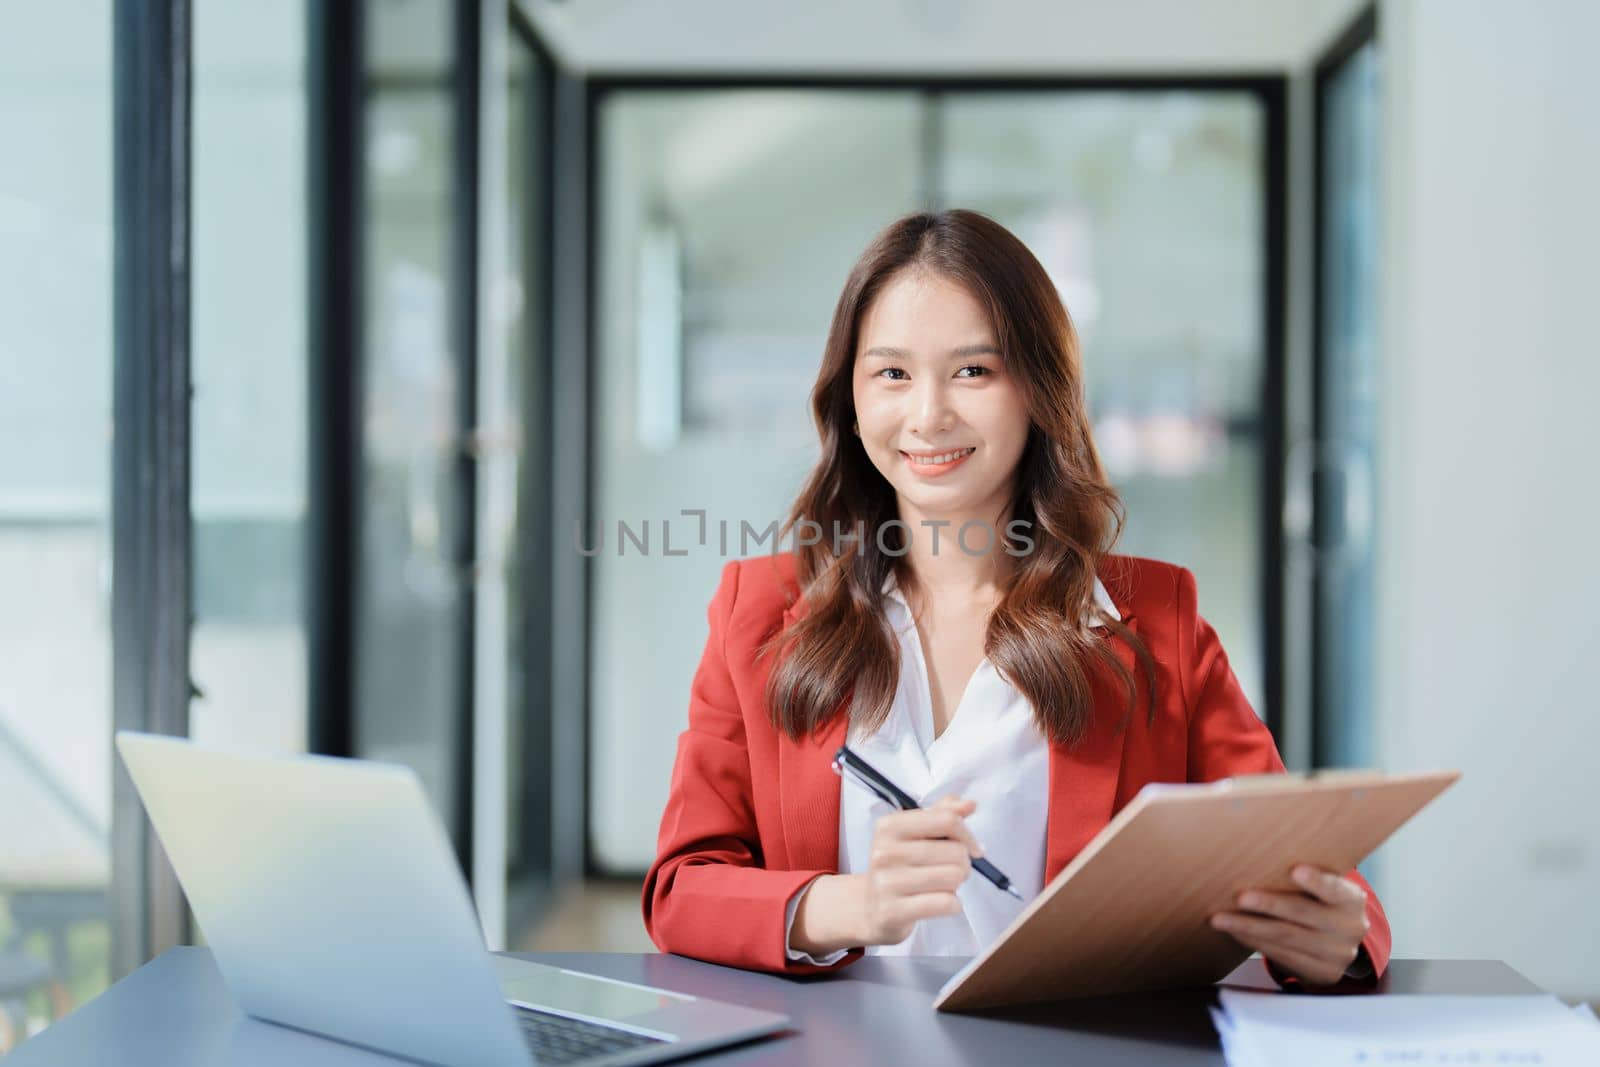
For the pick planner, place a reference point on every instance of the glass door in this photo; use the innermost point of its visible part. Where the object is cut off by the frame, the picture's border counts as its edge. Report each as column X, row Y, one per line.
column 1346, row 360
column 410, row 608
column 1148, row 206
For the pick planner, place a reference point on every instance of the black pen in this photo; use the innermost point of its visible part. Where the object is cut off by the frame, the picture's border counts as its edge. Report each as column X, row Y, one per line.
column 867, row 775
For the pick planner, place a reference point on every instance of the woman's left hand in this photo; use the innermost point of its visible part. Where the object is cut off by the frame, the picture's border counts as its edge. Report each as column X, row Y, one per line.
column 1315, row 934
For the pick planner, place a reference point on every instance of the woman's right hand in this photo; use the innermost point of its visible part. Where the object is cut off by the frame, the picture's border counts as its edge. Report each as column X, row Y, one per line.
column 918, row 860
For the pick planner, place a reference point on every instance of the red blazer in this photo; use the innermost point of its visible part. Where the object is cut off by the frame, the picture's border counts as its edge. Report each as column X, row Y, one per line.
column 752, row 816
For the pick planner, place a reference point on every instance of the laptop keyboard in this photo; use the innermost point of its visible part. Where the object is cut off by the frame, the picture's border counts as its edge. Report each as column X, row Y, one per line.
column 557, row 1039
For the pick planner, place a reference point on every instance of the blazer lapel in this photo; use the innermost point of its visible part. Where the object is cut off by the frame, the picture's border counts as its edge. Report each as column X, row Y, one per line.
column 808, row 789
column 809, row 792
column 1083, row 779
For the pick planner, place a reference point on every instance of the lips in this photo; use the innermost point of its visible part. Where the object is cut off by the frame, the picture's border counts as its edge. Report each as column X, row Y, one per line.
column 935, row 465
column 937, row 459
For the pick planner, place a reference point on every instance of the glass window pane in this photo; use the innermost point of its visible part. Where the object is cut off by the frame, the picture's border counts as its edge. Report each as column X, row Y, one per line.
column 55, row 466
column 1146, row 209
column 721, row 256
column 248, row 342
column 408, row 676
column 1347, row 396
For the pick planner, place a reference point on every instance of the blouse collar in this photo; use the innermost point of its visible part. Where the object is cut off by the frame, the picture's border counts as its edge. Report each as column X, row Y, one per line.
column 1102, row 598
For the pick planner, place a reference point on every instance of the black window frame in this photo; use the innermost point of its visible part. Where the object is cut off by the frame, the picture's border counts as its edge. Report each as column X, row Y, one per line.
column 531, row 881
column 151, row 537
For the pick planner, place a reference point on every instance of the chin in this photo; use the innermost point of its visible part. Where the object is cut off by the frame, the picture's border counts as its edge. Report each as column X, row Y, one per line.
column 943, row 498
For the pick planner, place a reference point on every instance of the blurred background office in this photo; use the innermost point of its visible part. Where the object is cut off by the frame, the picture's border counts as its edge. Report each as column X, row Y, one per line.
column 329, row 332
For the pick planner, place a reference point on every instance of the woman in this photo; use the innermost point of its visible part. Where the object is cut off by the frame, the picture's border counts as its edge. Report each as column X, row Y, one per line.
column 952, row 611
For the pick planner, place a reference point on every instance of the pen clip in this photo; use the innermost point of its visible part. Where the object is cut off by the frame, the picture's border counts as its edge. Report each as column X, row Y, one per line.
column 883, row 790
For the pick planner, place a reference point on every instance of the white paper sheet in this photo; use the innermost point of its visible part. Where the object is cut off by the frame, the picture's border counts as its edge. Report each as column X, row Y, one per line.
column 1261, row 1029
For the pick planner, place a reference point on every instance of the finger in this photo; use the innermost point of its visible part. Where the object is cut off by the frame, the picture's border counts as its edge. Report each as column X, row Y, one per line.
column 1307, row 968
column 920, row 823
column 1306, row 911
column 1327, row 886
column 959, row 805
column 910, row 881
column 924, row 852
column 935, row 823
column 1291, row 907
column 924, row 906
column 1329, row 960
column 1329, row 957
column 1260, row 933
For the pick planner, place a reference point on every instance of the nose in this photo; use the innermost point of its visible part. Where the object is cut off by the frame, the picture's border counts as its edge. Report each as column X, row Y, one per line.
column 931, row 413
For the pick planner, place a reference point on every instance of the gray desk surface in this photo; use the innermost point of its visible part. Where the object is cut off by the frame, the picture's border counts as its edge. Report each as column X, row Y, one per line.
column 175, row 1011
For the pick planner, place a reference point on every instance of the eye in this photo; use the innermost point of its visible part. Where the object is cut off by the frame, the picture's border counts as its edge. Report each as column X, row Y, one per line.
column 893, row 370
column 974, row 366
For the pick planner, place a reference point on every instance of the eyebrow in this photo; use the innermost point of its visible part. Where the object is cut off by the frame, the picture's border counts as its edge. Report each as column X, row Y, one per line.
column 964, row 352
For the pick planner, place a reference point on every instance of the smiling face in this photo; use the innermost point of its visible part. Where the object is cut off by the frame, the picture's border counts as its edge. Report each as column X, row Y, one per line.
column 939, row 415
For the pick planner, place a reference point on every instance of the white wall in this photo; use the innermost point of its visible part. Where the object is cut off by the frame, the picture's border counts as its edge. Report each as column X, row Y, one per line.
column 1488, row 579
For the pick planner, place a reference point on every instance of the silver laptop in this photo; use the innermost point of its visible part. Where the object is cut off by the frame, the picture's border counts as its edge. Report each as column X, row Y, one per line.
column 332, row 903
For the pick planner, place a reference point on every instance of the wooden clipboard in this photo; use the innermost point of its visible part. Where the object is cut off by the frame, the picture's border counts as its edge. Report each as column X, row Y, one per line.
column 1131, row 911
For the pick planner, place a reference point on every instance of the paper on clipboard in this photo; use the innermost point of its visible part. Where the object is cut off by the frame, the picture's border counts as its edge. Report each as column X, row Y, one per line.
column 1130, row 912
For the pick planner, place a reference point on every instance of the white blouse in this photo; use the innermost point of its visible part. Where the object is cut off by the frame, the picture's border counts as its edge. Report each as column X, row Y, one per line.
column 991, row 751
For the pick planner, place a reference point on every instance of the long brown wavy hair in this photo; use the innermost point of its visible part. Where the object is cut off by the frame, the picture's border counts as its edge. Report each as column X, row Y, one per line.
column 1037, row 636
